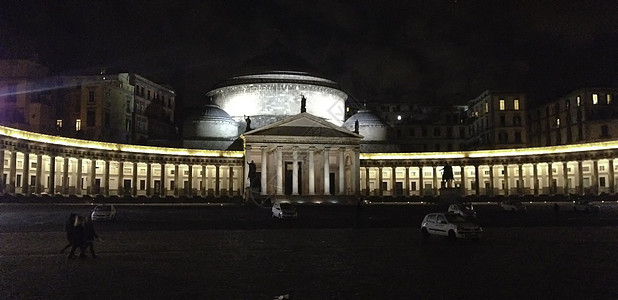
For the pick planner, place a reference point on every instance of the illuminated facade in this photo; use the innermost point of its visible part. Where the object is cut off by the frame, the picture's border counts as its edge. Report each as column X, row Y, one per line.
column 41, row 164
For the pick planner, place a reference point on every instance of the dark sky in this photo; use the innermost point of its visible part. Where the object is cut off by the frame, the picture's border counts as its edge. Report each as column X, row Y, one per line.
column 438, row 52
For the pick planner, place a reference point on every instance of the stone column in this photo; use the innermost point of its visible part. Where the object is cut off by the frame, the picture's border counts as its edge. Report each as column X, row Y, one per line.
column 52, row 174
column 230, row 180
column 311, row 171
column 246, row 181
column 550, row 178
column 2, row 180
column 464, row 189
column 190, row 183
column 148, row 179
column 380, row 190
column 279, row 170
column 93, row 176
column 162, row 188
column 26, row 174
column 535, row 179
column 477, row 179
column 106, row 178
column 506, row 180
column 134, row 179
column 421, row 185
column 217, row 180
column 39, row 174
column 121, row 191
column 595, row 177
column 204, row 181
column 406, row 188
column 176, row 178
column 78, row 184
column 565, row 174
column 611, row 176
column 12, row 172
column 491, row 180
column 264, row 172
column 341, row 159
column 580, row 171
column 295, row 170
column 521, row 179
column 435, row 180
column 367, row 191
column 355, row 170
column 65, row 175
column 393, row 181
column 326, row 160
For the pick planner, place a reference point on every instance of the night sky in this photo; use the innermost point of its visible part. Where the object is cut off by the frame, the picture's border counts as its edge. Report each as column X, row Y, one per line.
column 437, row 52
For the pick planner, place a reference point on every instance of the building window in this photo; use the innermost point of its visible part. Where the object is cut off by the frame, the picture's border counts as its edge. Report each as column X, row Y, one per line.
column 516, row 121
column 78, row 125
column 567, row 103
column 424, row 131
column 90, row 118
column 518, row 137
column 604, row 131
column 557, row 122
column 502, row 105
column 486, row 107
column 58, row 124
column 578, row 100
column 595, row 99
column 412, row 132
column 91, row 96
column 609, row 99
column 502, row 121
column 398, row 117
column 516, row 104
column 436, row 131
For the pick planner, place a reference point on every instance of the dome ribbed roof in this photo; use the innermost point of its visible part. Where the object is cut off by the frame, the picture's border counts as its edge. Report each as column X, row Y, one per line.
column 210, row 112
column 277, row 58
column 365, row 118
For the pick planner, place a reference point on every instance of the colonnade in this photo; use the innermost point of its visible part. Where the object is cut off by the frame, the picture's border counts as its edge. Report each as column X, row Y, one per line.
column 310, row 170
column 586, row 175
column 37, row 173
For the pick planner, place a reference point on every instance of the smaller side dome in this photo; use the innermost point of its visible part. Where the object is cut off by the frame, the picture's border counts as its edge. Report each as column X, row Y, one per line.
column 370, row 126
column 209, row 121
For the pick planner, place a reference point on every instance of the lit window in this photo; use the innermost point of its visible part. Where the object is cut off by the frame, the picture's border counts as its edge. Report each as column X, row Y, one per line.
column 579, row 101
column 609, row 98
column 78, row 125
column 558, row 122
column 501, row 104
column 347, row 109
column 486, row 107
column 59, row 123
column 595, row 98
column 516, row 104
column 398, row 117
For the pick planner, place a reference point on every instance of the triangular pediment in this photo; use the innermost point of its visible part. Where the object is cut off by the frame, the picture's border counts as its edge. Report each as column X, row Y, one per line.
column 303, row 125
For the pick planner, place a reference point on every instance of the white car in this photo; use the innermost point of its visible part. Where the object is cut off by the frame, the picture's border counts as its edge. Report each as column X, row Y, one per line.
column 586, row 206
column 466, row 211
column 450, row 225
column 284, row 210
column 104, row 212
column 511, row 205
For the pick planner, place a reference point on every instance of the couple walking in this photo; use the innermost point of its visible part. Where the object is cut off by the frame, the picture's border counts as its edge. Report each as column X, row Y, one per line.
column 80, row 234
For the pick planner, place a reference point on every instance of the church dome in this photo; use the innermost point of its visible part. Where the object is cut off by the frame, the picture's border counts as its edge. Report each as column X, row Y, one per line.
column 270, row 86
column 370, row 126
column 209, row 121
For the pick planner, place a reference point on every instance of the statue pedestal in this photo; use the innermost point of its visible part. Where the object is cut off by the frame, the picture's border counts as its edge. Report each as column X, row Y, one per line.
column 449, row 195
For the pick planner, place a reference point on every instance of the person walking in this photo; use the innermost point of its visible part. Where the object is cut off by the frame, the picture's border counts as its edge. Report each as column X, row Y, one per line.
column 76, row 236
column 89, row 235
column 67, row 229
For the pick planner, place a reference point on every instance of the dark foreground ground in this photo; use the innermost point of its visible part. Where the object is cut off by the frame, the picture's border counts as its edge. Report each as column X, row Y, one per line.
column 330, row 252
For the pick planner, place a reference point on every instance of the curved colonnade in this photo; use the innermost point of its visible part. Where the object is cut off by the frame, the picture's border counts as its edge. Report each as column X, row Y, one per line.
column 42, row 164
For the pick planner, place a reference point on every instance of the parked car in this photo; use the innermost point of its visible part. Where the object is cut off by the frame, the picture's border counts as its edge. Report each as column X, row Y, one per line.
column 585, row 205
column 104, row 212
column 284, row 210
column 451, row 225
column 464, row 210
column 512, row 205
